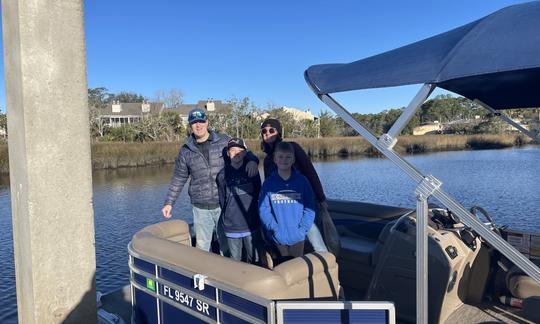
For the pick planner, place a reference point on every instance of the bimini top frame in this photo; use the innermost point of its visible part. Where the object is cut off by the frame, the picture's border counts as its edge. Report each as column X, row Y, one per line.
column 494, row 61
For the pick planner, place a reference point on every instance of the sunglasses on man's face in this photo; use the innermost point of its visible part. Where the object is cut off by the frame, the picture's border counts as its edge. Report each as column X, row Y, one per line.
column 268, row 130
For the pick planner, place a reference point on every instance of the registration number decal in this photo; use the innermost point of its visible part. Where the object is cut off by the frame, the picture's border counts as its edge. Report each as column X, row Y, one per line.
column 187, row 300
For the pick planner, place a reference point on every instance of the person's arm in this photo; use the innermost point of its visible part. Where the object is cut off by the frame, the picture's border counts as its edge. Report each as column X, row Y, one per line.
column 308, row 215
column 179, row 179
column 266, row 166
column 256, row 184
column 265, row 210
column 252, row 167
column 222, row 188
column 306, row 168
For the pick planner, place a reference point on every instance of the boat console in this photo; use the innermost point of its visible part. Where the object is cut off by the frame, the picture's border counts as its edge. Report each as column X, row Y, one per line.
column 381, row 264
column 456, row 272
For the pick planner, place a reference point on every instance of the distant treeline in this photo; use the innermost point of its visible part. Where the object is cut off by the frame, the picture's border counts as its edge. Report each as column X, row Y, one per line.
column 156, row 139
column 243, row 118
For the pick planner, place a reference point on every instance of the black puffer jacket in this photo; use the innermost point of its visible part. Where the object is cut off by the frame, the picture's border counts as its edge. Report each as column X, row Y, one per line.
column 190, row 162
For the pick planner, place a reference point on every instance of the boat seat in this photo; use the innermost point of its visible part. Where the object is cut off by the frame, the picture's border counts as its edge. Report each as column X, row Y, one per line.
column 357, row 249
column 366, row 209
column 364, row 250
column 175, row 231
column 312, row 276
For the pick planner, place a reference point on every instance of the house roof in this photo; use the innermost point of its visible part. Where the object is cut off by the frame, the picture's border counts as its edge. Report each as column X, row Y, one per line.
column 184, row 109
column 132, row 109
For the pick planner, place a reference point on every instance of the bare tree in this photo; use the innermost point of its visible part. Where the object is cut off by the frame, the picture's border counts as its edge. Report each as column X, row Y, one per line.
column 244, row 115
column 152, row 128
column 172, row 98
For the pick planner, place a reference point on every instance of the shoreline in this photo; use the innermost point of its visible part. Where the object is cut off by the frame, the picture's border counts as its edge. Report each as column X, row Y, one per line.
column 114, row 155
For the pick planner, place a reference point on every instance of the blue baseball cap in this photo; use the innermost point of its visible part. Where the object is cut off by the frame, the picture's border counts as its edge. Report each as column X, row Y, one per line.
column 197, row 115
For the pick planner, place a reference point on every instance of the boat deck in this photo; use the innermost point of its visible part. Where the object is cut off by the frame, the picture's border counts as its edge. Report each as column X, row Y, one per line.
column 487, row 313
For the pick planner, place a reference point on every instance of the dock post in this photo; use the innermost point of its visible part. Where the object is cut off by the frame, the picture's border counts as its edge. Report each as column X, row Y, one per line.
column 49, row 158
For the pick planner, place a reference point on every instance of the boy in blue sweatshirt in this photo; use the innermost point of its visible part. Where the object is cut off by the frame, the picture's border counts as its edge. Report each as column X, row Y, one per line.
column 286, row 205
column 238, row 194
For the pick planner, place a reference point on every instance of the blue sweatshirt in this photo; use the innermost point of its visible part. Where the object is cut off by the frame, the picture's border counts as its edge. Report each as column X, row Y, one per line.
column 287, row 208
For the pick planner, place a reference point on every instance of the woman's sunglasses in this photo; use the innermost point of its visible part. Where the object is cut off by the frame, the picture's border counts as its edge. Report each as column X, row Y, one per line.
column 268, row 130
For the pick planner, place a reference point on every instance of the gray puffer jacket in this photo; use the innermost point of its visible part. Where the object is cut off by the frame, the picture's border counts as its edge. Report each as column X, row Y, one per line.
column 190, row 162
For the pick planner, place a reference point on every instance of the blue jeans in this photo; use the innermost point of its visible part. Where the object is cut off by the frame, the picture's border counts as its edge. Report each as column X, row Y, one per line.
column 205, row 223
column 236, row 245
column 253, row 244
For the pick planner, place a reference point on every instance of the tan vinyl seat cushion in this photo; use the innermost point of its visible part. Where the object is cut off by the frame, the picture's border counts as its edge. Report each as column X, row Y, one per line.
column 173, row 230
column 311, row 276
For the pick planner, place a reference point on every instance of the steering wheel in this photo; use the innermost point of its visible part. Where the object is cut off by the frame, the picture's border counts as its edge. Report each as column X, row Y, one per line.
column 476, row 209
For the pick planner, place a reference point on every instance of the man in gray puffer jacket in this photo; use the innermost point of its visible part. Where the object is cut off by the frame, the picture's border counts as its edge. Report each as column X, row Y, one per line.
column 201, row 158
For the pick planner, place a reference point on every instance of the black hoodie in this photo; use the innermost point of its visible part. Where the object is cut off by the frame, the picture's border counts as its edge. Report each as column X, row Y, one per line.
column 238, row 198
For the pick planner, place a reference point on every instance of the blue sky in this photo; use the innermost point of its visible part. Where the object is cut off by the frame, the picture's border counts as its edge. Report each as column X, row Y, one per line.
column 260, row 49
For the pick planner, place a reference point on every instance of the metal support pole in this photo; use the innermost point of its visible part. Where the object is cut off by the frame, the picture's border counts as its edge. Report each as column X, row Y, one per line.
column 371, row 138
column 389, row 139
column 423, row 191
column 421, row 259
column 409, row 112
column 464, row 215
column 533, row 135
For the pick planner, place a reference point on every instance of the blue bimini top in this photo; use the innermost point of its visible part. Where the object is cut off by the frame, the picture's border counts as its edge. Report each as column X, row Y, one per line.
column 495, row 59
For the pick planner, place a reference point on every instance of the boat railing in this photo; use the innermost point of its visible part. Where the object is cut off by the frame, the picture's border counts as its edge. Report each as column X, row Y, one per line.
column 172, row 280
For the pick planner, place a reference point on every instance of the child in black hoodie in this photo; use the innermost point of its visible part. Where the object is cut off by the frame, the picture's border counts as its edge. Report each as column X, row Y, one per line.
column 238, row 198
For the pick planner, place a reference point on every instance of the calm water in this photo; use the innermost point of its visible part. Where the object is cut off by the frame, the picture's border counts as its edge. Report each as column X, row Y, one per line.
column 505, row 182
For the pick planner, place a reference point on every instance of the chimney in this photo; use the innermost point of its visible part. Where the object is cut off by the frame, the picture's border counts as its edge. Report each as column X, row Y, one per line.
column 145, row 107
column 116, row 107
column 210, row 106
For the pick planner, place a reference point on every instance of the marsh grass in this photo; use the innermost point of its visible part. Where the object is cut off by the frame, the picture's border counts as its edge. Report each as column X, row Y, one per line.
column 334, row 146
column 112, row 155
column 350, row 146
column 482, row 142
